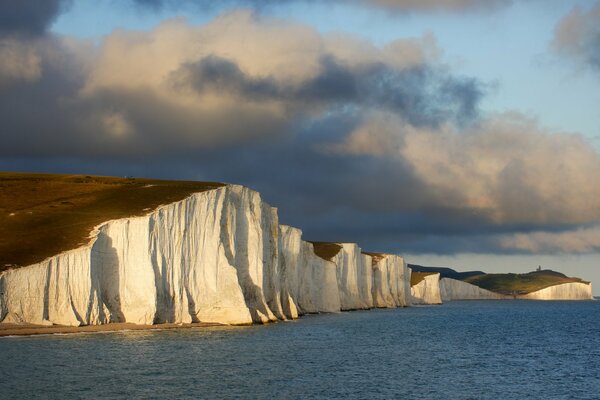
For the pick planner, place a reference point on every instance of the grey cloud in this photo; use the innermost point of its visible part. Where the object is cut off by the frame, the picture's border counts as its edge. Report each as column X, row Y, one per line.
column 577, row 35
column 29, row 17
column 423, row 95
column 579, row 240
column 504, row 168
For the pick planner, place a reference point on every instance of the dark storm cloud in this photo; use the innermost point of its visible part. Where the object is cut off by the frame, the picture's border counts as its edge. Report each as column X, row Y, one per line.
column 29, row 17
column 423, row 95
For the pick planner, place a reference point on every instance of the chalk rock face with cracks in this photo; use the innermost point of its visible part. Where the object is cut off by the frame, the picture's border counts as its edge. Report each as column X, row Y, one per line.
column 565, row 291
column 427, row 291
column 452, row 289
column 216, row 256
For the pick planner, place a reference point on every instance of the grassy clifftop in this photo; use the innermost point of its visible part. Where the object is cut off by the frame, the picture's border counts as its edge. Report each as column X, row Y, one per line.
column 44, row 214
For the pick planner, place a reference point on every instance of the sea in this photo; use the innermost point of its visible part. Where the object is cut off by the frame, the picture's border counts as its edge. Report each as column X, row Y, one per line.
column 458, row 350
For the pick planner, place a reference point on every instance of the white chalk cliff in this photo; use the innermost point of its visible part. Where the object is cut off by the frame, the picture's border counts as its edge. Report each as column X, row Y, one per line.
column 452, row 289
column 427, row 291
column 216, row 256
column 391, row 282
column 564, row 291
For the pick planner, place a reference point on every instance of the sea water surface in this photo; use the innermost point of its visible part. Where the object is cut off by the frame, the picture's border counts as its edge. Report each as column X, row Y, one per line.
column 460, row 350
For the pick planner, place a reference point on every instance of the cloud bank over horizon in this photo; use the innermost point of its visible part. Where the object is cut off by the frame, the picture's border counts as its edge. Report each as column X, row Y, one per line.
column 352, row 141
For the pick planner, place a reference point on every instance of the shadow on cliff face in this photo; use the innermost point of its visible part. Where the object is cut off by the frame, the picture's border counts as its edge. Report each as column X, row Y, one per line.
column 270, row 251
column 105, row 280
column 165, row 302
column 166, row 290
column 253, row 295
column 3, row 310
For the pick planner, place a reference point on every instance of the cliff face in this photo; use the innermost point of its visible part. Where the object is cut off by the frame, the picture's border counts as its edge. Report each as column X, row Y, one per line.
column 391, row 282
column 565, row 291
column 216, row 256
column 427, row 291
column 452, row 289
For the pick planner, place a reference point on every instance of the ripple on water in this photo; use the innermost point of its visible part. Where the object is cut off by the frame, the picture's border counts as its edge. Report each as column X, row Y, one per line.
column 461, row 350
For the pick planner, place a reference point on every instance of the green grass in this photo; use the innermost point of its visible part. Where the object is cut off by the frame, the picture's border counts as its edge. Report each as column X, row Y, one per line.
column 326, row 250
column 416, row 277
column 45, row 214
column 520, row 283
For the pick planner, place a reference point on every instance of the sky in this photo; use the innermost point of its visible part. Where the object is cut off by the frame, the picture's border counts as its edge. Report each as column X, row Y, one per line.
column 460, row 133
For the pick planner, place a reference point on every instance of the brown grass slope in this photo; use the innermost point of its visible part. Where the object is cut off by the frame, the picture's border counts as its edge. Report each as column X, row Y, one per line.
column 326, row 250
column 416, row 277
column 45, row 214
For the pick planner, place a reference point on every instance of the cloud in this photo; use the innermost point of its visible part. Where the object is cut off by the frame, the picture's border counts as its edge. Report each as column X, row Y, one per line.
column 391, row 5
column 29, row 17
column 504, row 168
column 426, row 5
column 577, row 36
column 581, row 240
column 422, row 95
column 18, row 62
column 176, row 87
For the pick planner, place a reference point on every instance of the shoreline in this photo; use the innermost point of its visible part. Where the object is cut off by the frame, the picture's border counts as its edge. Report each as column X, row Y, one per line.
column 7, row 329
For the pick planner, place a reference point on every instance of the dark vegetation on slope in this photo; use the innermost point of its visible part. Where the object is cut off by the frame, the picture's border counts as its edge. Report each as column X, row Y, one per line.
column 520, row 283
column 445, row 272
column 416, row 277
column 326, row 250
column 45, row 214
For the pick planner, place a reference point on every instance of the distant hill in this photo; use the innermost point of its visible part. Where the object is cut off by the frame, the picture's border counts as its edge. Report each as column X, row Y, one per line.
column 521, row 283
column 445, row 272
column 503, row 283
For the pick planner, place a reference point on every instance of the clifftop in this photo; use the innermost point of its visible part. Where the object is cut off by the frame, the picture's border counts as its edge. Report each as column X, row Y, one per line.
column 45, row 214
column 416, row 277
column 326, row 250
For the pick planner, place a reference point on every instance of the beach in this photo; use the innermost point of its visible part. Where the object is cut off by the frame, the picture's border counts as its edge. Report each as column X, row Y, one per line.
column 7, row 329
